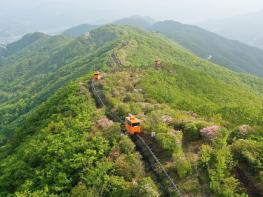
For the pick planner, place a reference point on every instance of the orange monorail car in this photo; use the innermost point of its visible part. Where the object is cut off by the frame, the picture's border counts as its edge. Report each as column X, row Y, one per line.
column 132, row 124
column 97, row 76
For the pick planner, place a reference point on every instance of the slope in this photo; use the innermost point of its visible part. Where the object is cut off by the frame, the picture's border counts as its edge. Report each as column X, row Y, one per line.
column 231, row 54
column 79, row 30
column 136, row 21
column 19, row 45
column 184, row 86
column 66, row 147
column 198, row 89
column 29, row 76
column 234, row 28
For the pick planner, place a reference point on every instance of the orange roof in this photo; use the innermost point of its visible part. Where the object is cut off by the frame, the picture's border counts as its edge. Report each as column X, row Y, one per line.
column 133, row 119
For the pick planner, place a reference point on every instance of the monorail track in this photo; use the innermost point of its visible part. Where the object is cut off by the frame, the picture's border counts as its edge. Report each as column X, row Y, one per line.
column 138, row 138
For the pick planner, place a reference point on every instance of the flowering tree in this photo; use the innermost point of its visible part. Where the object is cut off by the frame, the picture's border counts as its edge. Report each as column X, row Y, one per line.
column 210, row 132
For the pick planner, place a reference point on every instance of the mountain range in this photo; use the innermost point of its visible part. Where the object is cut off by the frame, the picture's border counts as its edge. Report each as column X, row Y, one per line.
column 55, row 140
column 232, row 54
column 79, row 30
column 244, row 28
column 229, row 53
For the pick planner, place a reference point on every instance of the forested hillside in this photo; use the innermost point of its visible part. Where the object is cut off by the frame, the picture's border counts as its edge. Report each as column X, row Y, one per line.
column 79, row 30
column 229, row 53
column 56, row 141
column 32, row 74
column 24, row 42
column 207, row 45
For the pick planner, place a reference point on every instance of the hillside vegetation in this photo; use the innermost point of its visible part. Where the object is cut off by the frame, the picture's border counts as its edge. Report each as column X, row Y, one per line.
column 207, row 119
column 231, row 54
column 59, row 150
column 207, row 45
column 29, row 76
column 79, row 30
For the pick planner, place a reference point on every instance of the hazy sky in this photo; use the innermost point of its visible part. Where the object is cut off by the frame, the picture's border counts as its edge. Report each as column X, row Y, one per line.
column 71, row 12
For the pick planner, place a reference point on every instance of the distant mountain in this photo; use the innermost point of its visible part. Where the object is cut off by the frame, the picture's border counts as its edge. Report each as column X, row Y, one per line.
column 2, row 49
column 11, row 30
column 22, row 43
column 136, row 21
column 231, row 54
column 245, row 28
column 79, row 30
column 25, row 41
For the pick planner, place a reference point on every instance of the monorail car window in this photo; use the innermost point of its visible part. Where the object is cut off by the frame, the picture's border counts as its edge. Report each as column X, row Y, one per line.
column 136, row 124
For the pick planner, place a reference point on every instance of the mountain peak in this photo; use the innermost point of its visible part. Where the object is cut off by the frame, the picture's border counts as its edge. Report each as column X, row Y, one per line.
column 25, row 41
column 226, row 52
column 79, row 30
column 136, row 21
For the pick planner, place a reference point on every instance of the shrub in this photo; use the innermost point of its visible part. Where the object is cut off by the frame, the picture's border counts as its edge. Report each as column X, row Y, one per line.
column 126, row 145
column 221, row 139
column 123, row 109
column 167, row 119
column 112, row 133
column 81, row 190
column 147, row 188
column 240, row 132
column 136, row 97
column 171, row 141
column 218, row 163
column 206, row 154
column 251, row 152
column 115, row 93
column 116, row 186
column 135, row 108
column 104, row 123
column 127, row 98
column 191, row 131
column 191, row 186
column 160, row 128
column 182, row 165
column 244, row 129
column 129, row 166
column 210, row 133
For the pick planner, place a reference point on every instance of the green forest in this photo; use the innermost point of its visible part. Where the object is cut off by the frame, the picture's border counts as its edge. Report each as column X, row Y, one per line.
column 56, row 141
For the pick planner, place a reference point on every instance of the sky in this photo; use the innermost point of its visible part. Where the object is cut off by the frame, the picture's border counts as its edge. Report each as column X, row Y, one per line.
column 189, row 11
column 52, row 14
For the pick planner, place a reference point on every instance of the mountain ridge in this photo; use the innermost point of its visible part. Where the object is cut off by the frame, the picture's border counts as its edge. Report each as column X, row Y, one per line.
column 23, row 42
column 229, row 53
column 56, row 142
column 234, row 28
column 79, row 30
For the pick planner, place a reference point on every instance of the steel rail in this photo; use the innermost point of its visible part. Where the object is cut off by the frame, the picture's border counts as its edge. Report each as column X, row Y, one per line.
column 94, row 91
